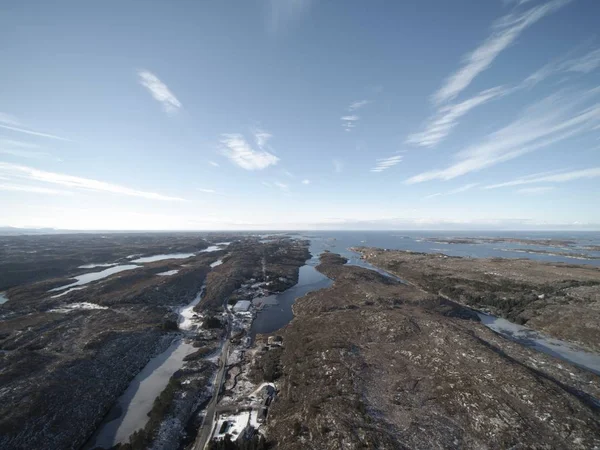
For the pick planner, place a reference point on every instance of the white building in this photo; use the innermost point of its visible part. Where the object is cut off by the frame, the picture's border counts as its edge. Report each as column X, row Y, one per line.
column 242, row 306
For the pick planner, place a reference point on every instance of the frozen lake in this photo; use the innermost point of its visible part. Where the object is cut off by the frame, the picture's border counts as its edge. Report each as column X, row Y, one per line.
column 94, row 276
column 153, row 258
column 529, row 338
column 130, row 413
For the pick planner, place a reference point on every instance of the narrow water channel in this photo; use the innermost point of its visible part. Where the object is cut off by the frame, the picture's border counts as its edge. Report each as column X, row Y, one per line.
column 130, row 412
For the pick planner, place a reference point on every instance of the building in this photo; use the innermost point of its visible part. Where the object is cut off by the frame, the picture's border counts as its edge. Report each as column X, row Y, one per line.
column 242, row 306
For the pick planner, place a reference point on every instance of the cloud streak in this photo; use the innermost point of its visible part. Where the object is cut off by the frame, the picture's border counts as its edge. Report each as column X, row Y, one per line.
column 554, row 119
column 446, row 118
column 159, row 91
column 385, row 163
column 504, row 32
column 32, row 174
column 282, row 12
column 32, row 189
column 545, row 177
column 466, row 187
column 535, row 190
column 357, row 105
column 239, row 152
column 338, row 166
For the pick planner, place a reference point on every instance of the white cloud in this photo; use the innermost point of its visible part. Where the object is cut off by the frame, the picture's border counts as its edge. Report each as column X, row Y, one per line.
column 555, row 118
column 582, row 64
column 207, row 191
column 357, row 105
column 29, row 173
column 283, row 12
column 9, row 119
column 338, row 166
column 21, row 149
column 32, row 189
column 240, row 153
column 446, row 118
column 159, row 91
column 282, row 186
column 305, row 181
column 550, row 177
column 535, row 190
column 458, row 190
column 385, row 163
column 349, row 122
column 262, row 137
column 214, row 164
column 505, row 31
column 34, row 133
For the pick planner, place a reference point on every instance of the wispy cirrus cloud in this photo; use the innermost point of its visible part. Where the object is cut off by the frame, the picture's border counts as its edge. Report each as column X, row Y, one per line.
column 349, row 122
column 458, row 190
column 32, row 189
column 357, row 105
column 554, row 119
column 338, row 165
column 214, row 164
column 283, row 12
column 385, row 163
column 261, row 138
column 282, row 186
column 9, row 119
column 19, row 172
column 506, row 29
column 504, row 32
column 447, row 116
column 21, row 149
column 159, row 91
column 550, row 177
column 240, row 152
column 9, row 122
column 536, row 190
column 306, row 181
column 565, row 64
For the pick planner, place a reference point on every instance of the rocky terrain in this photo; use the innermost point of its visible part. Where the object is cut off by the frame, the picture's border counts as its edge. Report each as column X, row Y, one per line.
column 374, row 363
column 263, row 261
column 561, row 300
column 67, row 355
column 30, row 258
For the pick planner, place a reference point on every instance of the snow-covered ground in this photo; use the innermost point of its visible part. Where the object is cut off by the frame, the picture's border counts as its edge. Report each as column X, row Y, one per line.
column 236, row 425
column 67, row 291
column 168, row 273
column 3, row 298
column 75, row 306
column 147, row 259
column 91, row 266
column 188, row 318
column 216, row 263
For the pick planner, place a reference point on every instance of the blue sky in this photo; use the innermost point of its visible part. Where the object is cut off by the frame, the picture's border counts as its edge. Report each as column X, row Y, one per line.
column 287, row 114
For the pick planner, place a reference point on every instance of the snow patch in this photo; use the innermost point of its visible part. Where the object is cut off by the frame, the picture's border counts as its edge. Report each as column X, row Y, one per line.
column 75, row 306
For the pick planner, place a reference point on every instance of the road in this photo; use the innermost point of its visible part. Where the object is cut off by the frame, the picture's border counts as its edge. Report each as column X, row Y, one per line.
column 206, row 428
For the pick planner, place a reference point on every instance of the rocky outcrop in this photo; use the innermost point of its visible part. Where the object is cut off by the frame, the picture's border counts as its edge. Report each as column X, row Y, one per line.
column 373, row 363
column 521, row 290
